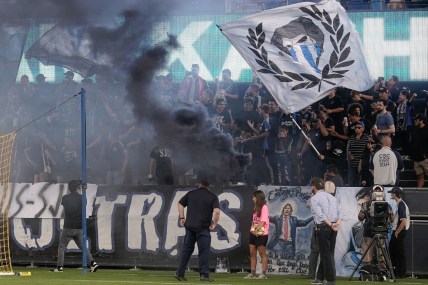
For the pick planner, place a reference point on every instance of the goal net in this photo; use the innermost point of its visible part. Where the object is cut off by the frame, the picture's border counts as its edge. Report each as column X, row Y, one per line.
column 6, row 147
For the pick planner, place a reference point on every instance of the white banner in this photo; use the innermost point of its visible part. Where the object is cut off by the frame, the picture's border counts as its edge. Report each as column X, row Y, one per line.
column 42, row 200
column 144, row 219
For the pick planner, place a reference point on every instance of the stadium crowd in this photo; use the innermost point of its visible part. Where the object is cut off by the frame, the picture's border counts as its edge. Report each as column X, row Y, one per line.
column 344, row 130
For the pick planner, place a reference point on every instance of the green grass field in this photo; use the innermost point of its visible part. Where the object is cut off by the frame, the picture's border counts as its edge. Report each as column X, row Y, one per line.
column 72, row 276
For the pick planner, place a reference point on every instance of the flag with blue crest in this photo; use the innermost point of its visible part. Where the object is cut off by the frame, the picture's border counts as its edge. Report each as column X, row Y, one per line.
column 301, row 52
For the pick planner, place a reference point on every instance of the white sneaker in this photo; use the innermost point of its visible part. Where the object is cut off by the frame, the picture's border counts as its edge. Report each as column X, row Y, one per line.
column 57, row 269
column 94, row 267
column 251, row 276
column 262, row 276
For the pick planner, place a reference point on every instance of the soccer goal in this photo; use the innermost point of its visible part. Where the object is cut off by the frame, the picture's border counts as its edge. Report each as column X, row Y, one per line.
column 6, row 147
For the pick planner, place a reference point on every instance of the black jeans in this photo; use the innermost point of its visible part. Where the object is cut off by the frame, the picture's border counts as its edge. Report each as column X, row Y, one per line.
column 203, row 239
column 313, row 257
column 326, row 242
column 398, row 254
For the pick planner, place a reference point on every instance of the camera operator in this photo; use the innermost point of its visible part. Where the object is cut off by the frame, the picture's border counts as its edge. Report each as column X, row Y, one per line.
column 368, row 233
column 399, row 229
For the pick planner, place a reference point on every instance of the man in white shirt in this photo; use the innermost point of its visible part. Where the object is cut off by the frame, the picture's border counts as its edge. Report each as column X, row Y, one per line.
column 386, row 164
column 327, row 217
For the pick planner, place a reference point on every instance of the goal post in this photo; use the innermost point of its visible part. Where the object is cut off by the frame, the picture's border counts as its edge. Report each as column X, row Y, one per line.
column 6, row 148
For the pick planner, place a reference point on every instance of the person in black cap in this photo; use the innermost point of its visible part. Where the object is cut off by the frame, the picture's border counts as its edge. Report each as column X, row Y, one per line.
column 43, row 94
column 399, row 229
column 384, row 95
column 203, row 213
column 391, row 85
column 72, row 230
column 68, row 86
column 40, row 78
column 418, row 149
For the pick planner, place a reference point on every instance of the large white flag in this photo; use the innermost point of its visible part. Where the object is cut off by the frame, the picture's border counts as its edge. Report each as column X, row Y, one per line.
column 301, row 52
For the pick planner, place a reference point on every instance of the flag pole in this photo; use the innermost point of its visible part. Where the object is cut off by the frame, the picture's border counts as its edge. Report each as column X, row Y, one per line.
column 84, row 185
column 306, row 137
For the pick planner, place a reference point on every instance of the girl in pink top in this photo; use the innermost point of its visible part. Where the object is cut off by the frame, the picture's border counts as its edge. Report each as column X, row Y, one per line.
column 259, row 234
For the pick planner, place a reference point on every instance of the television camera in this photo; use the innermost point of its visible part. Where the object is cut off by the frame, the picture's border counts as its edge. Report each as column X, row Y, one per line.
column 379, row 212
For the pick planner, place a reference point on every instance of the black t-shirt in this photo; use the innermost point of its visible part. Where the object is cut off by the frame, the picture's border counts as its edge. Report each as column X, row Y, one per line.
column 328, row 123
column 394, row 93
column 333, row 103
column 242, row 117
column 230, row 88
column 426, row 105
column 418, row 142
column 303, row 118
column 221, row 117
column 200, row 205
column 363, row 104
column 163, row 158
column 249, row 146
column 286, row 121
column 274, row 121
column 73, row 210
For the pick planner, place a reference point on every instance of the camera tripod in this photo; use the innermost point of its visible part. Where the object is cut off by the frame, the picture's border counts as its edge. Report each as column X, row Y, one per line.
column 381, row 242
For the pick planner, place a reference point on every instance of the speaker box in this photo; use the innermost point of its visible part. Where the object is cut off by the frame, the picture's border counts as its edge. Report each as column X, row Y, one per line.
column 416, row 252
column 416, row 201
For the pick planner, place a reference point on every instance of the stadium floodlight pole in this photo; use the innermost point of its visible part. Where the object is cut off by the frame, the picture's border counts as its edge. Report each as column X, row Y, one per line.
column 84, row 185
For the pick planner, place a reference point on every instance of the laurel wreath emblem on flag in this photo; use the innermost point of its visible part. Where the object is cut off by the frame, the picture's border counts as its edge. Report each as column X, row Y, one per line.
column 338, row 57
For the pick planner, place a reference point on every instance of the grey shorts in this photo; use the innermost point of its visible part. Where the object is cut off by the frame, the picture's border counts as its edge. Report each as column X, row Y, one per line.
column 421, row 167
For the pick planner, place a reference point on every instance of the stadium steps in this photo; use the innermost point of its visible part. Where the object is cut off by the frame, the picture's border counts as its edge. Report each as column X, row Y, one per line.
column 408, row 177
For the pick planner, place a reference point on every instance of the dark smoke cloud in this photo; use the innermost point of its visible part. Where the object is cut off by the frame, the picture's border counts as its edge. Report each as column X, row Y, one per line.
column 197, row 143
column 187, row 128
column 81, row 10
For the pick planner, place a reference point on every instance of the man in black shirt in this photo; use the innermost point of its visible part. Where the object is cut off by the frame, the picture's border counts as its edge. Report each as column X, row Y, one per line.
column 247, row 114
column 161, row 168
column 72, row 230
column 203, row 212
column 334, row 106
column 418, row 148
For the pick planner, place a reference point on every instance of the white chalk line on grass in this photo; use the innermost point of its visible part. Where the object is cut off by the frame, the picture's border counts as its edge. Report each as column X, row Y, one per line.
column 146, row 282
